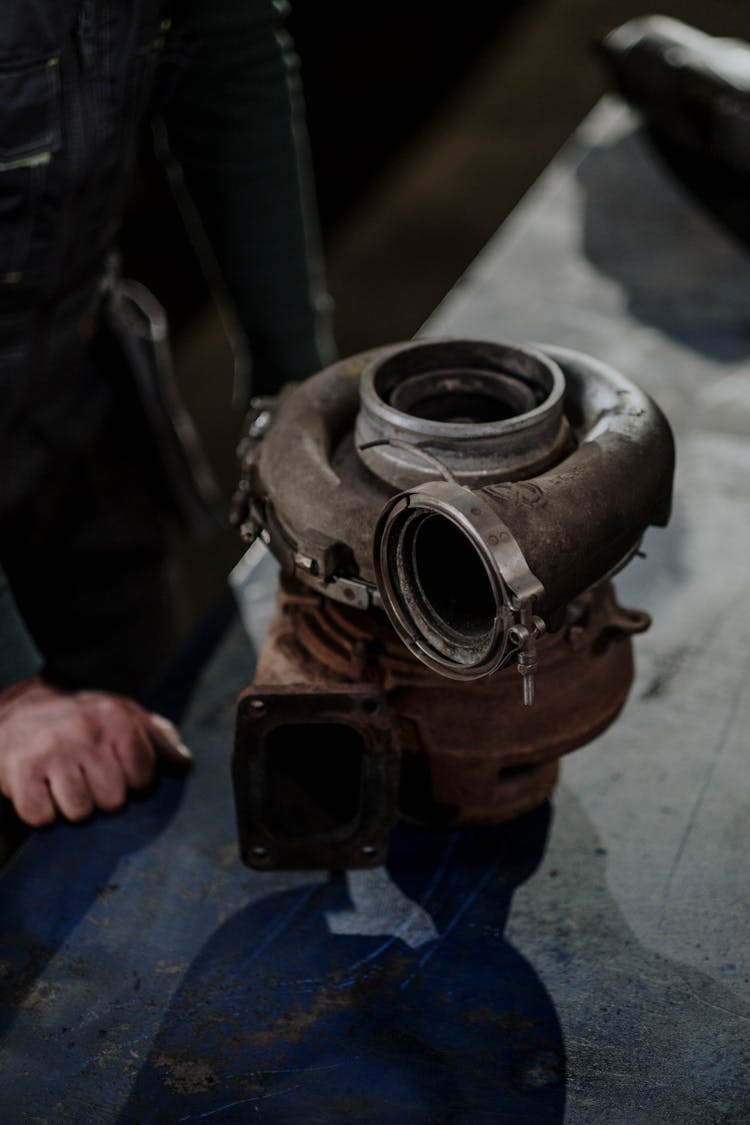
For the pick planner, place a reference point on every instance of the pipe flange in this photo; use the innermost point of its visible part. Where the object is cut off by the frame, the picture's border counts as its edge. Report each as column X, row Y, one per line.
column 423, row 538
column 486, row 412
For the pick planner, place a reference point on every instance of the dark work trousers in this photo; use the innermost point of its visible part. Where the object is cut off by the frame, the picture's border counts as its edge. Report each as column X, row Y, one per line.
column 83, row 537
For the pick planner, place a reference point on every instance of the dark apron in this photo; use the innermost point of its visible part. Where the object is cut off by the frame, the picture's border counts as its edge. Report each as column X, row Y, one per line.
column 97, row 454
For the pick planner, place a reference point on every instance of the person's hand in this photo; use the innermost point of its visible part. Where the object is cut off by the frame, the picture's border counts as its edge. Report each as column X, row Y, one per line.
column 69, row 753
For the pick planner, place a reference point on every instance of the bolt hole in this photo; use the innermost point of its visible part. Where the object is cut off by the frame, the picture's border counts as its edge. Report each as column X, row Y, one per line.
column 370, row 706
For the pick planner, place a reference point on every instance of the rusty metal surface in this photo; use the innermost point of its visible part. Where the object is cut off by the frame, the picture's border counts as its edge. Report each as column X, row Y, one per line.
column 304, row 479
column 550, row 467
column 462, row 752
column 487, row 485
column 315, row 775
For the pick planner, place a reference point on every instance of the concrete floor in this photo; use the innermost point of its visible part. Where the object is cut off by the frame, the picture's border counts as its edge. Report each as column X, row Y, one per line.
column 394, row 255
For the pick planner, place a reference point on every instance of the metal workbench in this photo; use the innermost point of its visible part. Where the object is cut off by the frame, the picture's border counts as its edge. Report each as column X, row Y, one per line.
column 588, row 963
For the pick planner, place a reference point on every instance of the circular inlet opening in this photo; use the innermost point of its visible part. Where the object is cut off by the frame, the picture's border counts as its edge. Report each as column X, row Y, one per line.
column 450, row 579
column 444, row 594
column 462, row 383
column 481, row 412
column 463, row 396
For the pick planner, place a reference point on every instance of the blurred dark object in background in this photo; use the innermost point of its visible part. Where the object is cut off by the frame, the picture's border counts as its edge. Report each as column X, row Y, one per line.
column 693, row 91
column 370, row 83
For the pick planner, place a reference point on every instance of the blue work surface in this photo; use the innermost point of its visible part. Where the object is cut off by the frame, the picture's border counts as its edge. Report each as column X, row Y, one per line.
column 587, row 963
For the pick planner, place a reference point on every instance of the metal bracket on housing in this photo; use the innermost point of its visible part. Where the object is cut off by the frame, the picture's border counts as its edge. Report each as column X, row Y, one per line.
column 525, row 635
column 257, row 422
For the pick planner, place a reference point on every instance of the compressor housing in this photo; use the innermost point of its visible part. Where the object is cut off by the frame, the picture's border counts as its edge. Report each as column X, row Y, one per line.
column 447, row 513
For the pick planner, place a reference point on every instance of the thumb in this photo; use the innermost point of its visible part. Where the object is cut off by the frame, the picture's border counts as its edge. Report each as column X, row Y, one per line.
column 167, row 740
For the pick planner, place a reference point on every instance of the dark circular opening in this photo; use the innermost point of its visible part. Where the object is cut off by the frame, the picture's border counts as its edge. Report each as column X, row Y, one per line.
column 463, row 395
column 450, row 580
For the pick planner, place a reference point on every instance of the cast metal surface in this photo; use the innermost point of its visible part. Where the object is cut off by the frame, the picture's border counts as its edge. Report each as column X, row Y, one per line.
column 417, row 566
column 463, row 571
column 477, row 412
column 472, row 754
column 316, row 774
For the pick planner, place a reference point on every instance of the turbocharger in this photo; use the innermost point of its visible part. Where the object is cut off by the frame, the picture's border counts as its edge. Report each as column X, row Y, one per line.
column 442, row 511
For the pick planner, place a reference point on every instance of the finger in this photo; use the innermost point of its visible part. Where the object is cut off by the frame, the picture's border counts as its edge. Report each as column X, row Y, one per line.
column 106, row 778
column 167, row 740
column 135, row 755
column 33, row 802
column 69, row 789
column 124, row 721
column 123, row 731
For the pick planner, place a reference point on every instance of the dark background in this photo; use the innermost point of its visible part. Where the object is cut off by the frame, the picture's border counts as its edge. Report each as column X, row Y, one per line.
column 427, row 124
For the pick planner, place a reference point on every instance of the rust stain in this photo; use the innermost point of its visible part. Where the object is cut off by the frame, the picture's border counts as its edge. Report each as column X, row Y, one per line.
column 340, row 993
column 457, row 752
column 183, row 1076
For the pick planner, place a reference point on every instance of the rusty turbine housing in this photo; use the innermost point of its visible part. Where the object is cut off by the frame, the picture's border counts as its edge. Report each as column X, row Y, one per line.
column 441, row 510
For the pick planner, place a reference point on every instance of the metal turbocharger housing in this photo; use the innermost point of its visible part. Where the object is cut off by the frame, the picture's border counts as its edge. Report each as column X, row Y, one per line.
column 442, row 510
